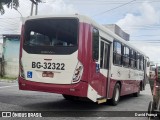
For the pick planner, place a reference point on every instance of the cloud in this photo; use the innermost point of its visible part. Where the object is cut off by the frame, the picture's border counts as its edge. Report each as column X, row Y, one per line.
column 51, row 7
column 146, row 15
column 143, row 22
column 151, row 51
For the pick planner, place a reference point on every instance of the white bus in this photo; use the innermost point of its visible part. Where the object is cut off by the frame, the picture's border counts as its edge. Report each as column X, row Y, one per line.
column 74, row 56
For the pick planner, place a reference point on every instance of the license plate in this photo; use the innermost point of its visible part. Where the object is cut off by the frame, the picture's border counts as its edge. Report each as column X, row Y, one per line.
column 47, row 74
column 48, row 65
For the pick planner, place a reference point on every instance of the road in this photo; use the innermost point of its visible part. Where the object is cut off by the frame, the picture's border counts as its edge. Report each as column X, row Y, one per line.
column 13, row 99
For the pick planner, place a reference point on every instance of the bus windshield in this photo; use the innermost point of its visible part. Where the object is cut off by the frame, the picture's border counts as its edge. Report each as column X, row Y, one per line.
column 51, row 36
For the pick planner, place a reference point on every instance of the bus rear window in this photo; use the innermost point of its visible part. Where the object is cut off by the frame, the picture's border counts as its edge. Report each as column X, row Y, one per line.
column 51, row 36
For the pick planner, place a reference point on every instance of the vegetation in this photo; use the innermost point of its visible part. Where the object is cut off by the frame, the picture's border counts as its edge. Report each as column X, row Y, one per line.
column 9, row 4
column 8, row 78
column 12, row 3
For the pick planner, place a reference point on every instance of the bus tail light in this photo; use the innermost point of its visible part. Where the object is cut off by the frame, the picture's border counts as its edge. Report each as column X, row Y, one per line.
column 21, row 70
column 77, row 73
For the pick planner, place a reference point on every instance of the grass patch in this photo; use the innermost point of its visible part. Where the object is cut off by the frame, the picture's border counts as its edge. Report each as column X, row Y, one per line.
column 8, row 78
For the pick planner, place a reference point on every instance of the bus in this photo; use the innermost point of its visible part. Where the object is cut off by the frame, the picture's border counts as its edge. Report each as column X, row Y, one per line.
column 74, row 56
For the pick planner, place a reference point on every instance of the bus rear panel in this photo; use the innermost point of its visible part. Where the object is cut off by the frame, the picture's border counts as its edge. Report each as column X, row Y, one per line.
column 49, row 56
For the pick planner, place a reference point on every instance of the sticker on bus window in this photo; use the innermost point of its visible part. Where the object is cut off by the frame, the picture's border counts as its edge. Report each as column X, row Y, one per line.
column 29, row 74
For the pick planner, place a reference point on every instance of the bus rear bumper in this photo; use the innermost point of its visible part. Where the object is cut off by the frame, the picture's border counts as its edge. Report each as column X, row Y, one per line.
column 78, row 89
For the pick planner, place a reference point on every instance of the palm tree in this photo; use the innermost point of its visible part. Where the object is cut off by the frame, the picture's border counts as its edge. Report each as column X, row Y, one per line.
column 35, row 1
column 9, row 4
column 15, row 4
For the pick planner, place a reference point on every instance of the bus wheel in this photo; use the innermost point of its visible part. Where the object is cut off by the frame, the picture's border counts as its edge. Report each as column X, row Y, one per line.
column 68, row 97
column 116, row 95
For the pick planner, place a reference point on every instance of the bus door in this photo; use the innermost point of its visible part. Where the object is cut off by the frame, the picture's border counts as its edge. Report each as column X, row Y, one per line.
column 104, row 64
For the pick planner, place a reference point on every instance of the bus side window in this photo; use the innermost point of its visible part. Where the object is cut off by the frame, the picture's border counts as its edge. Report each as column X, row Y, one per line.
column 137, row 59
column 117, row 53
column 141, row 62
column 132, row 58
column 126, row 56
column 95, row 44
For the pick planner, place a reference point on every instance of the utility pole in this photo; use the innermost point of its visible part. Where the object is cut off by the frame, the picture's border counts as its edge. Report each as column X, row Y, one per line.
column 36, row 8
column 34, row 2
column 31, row 9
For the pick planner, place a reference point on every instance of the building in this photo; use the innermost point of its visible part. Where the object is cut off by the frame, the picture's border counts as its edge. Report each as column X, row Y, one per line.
column 10, row 55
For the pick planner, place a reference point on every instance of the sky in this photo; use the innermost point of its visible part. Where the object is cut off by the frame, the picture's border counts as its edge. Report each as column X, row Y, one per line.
column 139, row 18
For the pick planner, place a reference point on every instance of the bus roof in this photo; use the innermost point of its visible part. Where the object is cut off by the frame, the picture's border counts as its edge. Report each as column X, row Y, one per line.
column 85, row 19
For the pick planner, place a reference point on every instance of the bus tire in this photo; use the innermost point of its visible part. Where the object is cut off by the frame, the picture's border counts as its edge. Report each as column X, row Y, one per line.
column 68, row 97
column 116, row 95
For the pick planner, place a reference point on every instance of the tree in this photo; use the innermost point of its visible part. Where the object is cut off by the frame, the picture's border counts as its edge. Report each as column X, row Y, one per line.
column 14, row 4
column 35, row 1
column 9, row 4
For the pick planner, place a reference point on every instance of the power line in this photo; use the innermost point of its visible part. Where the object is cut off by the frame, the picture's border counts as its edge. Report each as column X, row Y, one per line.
column 153, row 43
column 142, row 29
column 145, row 43
column 114, row 8
column 103, row 2
column 11, row 18
column 136, row 27
column 145, row 35
column 145, row 40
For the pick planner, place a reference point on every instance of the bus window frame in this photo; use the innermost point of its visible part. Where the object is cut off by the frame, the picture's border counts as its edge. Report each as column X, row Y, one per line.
column 95, row 58
column 125, row 46
column 115, row 53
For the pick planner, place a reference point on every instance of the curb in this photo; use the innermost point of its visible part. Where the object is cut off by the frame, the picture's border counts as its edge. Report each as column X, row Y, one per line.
column 8, row 81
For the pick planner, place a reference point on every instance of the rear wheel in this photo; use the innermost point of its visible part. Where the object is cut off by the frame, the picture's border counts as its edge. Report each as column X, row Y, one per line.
column 116, row 95
column 69, row 97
